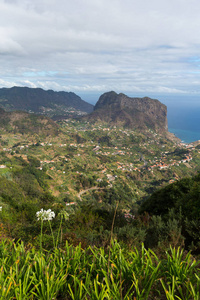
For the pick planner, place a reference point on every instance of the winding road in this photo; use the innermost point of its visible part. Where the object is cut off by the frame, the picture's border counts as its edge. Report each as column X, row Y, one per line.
column 85, row 191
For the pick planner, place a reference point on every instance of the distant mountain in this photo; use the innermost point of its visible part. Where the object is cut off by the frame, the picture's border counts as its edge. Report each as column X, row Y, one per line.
column 137, row 113
column 25, row 123
column 37, row 100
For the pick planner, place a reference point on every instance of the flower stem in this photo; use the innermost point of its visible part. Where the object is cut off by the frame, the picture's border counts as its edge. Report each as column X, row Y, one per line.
column 52, row 234
column 41, row 236
column 59, row 232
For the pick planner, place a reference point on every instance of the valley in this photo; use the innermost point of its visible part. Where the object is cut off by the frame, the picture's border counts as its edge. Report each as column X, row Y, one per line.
column 88, row 169
column 83, row 156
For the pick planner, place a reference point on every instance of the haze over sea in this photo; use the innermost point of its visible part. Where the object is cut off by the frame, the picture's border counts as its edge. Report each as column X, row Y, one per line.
column 183, row 114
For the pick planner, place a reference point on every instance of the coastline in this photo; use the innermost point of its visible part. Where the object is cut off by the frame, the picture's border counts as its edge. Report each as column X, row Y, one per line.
column 173, row 137
column 185, row 136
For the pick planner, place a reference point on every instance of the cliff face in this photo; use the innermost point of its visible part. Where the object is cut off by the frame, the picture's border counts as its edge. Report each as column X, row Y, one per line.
column 138, row 113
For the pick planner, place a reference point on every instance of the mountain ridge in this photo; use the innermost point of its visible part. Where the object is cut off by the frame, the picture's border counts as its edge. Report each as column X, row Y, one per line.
column 37, row 100
column 111, row 108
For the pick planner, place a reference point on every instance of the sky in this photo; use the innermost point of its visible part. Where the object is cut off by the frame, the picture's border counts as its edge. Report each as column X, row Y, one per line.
column 149, row 48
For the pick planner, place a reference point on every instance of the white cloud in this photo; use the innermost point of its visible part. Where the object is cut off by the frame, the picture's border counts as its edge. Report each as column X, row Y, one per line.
column 99, row 45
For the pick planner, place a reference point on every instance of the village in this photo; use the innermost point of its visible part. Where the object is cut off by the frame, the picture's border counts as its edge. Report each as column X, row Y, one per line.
column 106, row 154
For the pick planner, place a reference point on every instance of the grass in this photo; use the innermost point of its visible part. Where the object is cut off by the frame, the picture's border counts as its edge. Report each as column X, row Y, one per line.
column 96, row 273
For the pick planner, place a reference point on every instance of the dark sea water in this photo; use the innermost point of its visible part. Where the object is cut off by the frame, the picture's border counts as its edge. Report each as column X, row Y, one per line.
column 186, row 136
column 184, row 120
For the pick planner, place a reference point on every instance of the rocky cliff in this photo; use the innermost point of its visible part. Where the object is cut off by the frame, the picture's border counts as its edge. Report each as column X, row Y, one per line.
column 138, row 113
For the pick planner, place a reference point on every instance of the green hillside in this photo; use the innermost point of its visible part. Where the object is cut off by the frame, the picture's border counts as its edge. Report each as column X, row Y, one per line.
column 19, row 122
column 83, row 172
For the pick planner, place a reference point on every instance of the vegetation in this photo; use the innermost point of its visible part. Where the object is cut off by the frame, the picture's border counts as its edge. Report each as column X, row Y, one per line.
column 37, row 100
column 94, row 167
column 120, row 230
column 94, row 273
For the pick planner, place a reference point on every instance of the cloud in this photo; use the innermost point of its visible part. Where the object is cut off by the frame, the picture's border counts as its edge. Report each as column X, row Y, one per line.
column 99, row 45
column 10, row 47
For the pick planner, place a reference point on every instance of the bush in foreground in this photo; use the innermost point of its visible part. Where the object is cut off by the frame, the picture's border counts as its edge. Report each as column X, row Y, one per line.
column 93, row 273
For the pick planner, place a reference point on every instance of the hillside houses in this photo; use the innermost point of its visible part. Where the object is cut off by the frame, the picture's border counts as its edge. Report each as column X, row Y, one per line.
column 162, row 165
column 3, row 166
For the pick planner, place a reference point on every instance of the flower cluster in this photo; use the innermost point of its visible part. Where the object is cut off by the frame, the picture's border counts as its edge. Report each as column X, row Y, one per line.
column 45, row 215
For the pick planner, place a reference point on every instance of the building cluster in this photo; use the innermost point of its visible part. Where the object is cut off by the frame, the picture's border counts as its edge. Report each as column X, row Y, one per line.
column 163, row 165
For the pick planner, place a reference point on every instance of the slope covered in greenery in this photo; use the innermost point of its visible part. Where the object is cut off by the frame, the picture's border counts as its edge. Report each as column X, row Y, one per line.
column 124, row 208
column 184, row 194
column 83, row 173
column 25, row 123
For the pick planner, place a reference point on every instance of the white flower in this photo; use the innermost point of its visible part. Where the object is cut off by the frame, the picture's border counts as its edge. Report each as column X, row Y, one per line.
column 0, row 208
column 45, row 215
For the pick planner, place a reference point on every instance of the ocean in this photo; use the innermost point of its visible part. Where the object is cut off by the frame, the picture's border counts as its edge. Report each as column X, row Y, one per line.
column 186, row 136
column 184, row 120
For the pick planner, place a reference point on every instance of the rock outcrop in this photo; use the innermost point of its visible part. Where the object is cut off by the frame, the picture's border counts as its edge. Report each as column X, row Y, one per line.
column 136, row 113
